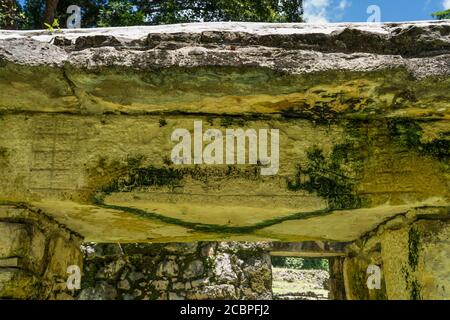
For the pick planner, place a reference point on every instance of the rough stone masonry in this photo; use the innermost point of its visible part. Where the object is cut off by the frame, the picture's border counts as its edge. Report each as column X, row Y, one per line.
column 362, row 110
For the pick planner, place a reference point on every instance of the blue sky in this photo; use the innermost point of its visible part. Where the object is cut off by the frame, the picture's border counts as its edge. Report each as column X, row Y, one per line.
column 356, row 10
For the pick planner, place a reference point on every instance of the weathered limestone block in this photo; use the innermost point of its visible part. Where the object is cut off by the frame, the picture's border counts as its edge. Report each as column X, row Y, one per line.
column 167, row 269
column 35, row 253
column 413, row 258
column 194, row 269
column 13, row 236
column 18, row 284
column 101, row 291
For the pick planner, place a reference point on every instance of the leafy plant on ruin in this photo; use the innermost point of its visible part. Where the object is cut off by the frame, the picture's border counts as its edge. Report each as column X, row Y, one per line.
column 51, row 27
column 441, row 15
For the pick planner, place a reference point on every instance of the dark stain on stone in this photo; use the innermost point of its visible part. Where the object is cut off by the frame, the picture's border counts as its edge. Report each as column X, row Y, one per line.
column 415, row 290
column 162, row 122
column 326, row 177
column 413, row 248
column 408, row 133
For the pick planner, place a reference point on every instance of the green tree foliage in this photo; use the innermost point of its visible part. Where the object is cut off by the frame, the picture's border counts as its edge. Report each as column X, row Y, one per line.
column 287, row 262
column 11, row 15
column 441, row 15
column 120, row 13
column 34, row 10
column 178, row 11
column 291, row 10
column 300, row 263
column 316, row 264
column 96, row 13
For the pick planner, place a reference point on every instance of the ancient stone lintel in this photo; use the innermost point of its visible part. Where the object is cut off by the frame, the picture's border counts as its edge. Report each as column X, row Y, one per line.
column 352, row 138
column 96, row 99
column 344, row 39
column 284, row 47
column 309, row 249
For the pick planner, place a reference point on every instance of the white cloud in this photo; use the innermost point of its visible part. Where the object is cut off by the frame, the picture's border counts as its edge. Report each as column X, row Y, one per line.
column 344, row 4
column 446, row 4
column 315, row 11
column 322, row 11
column 339, row 12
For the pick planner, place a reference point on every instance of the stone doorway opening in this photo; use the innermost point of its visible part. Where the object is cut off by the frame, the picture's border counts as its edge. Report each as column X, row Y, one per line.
column 296, row 278
column 310, row 270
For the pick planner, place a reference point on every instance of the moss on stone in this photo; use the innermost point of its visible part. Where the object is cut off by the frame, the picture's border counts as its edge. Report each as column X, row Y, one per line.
column 107, row 177
column 89, row 275
column 415, row 290
column 162, row 122
column 3, row 152
column 408, row 132
column 4, row 161
column 327, row 178
column 413, row 246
